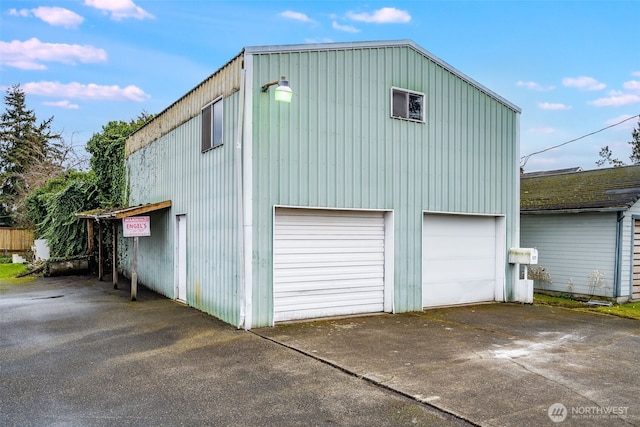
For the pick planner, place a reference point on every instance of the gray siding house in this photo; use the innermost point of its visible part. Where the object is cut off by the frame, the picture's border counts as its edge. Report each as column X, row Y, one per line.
column 586, row 227
column 388, row 184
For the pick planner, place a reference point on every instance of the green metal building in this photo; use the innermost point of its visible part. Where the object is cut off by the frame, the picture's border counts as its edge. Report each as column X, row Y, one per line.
column 389, row 183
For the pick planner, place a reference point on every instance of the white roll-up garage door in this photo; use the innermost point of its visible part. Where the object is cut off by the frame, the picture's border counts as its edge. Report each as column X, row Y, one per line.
column 327, row 263
column 459, row 259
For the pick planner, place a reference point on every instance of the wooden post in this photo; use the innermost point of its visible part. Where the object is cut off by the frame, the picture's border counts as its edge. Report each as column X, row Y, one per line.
column 114, row 225
column 100, row 255
column 134, row 270
column 89, row 236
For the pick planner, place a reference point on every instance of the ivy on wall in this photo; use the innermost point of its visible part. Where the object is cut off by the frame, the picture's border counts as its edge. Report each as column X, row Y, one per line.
column 108, row 162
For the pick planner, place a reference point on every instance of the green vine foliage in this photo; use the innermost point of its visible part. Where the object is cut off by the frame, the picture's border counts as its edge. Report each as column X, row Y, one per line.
column 108, row 162
column 67, row 234
column 53, row 207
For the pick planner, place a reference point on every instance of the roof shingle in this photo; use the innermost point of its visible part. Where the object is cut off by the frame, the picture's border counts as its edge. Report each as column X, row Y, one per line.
column 600, row 189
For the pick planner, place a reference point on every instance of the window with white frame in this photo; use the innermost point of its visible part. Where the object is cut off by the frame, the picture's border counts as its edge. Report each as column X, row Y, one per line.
column 407, row 104
column 212, row 125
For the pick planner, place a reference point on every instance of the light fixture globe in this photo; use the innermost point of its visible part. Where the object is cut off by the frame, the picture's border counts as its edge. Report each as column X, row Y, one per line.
column 283, row 91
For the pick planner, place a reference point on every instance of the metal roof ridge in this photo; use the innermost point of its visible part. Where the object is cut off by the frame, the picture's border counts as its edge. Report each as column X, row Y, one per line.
column 327, row 46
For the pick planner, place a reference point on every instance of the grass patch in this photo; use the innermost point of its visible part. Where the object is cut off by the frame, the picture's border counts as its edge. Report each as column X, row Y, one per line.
column 8, row 273
column 630, row 310
column 557, row 301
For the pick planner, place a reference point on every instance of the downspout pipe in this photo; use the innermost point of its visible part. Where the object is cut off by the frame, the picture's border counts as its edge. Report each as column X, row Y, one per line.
column 240, row 201
column 617, row 271
column 509, row 291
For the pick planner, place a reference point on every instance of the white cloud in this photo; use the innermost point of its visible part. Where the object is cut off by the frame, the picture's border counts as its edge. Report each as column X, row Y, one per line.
column 30, row 54
column 616, row 100
column 22, row 12
column 552, row 106
column 535, row 86
column 386, row 15
column 85, row 91
column 63, row 104
column 120, row 9
column 529, row 85
column 631, row 85
column 56, row 16
column 345, row 28
column 296, row 16
column 542, row 130
column 636, row 73
column 583, row 83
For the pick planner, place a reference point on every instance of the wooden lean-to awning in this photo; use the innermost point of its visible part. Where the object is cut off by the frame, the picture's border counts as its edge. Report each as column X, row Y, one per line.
column 112, row 215
column 119, row 213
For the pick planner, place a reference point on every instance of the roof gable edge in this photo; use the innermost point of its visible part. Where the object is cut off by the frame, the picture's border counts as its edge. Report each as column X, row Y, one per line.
column 258, row 50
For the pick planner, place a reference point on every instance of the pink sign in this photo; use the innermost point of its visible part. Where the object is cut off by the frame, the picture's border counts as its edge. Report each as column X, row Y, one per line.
column 136, row 226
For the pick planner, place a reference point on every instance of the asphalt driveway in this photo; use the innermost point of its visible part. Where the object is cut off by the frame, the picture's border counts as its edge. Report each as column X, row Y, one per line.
column 74, row 351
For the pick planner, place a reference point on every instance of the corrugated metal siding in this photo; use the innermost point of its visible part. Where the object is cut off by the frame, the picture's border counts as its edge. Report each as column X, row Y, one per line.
column 571, row 247
column 155, row 264
column 203, row 186
column 223, row 82
column 335, row 145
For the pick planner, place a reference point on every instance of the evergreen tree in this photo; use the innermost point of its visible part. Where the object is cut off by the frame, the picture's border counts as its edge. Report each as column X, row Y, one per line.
column 25, row 146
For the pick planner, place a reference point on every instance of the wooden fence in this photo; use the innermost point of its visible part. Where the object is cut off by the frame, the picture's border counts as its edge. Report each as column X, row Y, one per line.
column 14, row 240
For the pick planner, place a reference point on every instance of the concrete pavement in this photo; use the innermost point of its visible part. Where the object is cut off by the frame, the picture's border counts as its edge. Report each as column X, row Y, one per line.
column 74, row 351
column 493, row 364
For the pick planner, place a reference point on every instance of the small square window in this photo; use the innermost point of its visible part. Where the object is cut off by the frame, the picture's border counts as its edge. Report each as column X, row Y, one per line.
column 406, row 104
column 212, row 125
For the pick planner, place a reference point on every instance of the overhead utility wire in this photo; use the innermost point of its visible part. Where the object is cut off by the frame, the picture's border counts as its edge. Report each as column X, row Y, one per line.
column 526, row 158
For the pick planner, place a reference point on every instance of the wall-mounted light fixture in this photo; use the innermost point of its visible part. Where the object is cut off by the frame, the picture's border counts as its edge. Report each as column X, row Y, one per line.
column 283, row 91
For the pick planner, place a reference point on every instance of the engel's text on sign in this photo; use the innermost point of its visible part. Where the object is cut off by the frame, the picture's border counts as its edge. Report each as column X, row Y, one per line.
column 136, row 226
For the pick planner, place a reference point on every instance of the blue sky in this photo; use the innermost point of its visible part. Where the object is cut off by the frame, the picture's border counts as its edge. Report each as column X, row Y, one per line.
column 572, row 66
